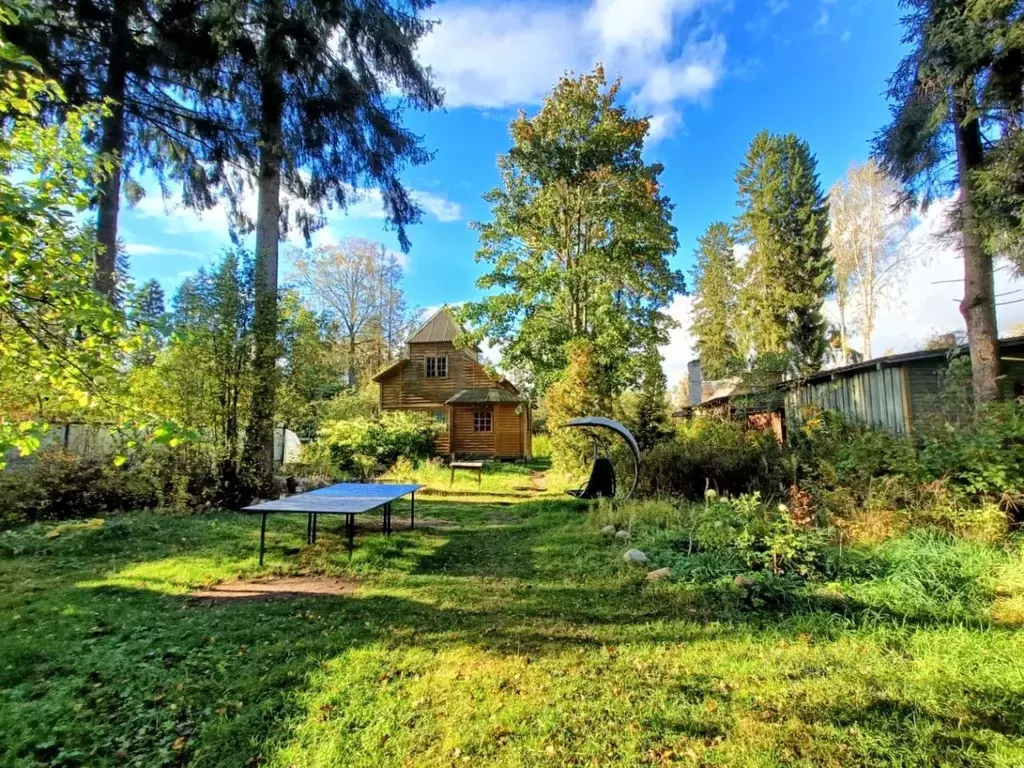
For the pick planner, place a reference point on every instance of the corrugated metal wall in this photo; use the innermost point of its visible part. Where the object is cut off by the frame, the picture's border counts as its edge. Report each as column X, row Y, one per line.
column 874, row 397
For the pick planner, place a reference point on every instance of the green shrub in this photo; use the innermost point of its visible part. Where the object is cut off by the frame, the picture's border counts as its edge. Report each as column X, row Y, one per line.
column 983, row 455
column 54, row 485
column 711, row 453
column 364, row 447
column 835, row 454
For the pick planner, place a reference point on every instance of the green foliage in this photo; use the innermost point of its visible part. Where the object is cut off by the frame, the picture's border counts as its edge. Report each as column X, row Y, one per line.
column 311, row 386
column 711, row 453
column 982, row 457
column 838, row 455
column 715, row 302
column 365, row 447
column 60, row 343
column 649, row 423
column 582, row 390
column 54, row 485
column 579, row 243
column 788, row 273
column 147, row 318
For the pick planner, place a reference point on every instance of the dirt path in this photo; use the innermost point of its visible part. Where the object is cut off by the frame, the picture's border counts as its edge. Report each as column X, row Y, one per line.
column 539, row 481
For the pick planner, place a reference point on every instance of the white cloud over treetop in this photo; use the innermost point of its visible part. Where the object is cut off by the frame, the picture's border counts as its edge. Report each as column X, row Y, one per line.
column 511, row 54
column 928, row 303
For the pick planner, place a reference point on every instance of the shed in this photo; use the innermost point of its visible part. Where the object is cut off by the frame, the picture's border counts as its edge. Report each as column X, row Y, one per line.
column 899, row 393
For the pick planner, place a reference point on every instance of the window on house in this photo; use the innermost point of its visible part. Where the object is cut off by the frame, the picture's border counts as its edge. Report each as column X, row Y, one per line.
column 437, row 367
column 482, row 421
column 440, row 417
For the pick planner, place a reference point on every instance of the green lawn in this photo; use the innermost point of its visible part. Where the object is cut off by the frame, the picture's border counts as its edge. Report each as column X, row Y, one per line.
column 509, row 632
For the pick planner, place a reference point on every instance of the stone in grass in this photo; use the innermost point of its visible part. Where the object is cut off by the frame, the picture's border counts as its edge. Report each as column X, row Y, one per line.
column 608, row 530
column 658, row 575
column 635, row 556
column 744, row 582
column 622, row 535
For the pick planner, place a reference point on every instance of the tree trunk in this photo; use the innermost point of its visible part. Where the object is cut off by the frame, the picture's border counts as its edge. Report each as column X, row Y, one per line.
column 258, row 459
column 352, row 359
column 978, row 304
column 112, row 143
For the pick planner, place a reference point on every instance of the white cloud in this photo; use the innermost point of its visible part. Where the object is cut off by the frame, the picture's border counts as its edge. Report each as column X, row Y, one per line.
column 438, row 206
column 145, row 249
column 215, row 222
column 929, row 302
column 513, row 53
column 680, row 348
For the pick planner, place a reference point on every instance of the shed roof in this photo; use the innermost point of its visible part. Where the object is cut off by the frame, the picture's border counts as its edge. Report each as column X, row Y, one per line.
column 439, row 327
column 483, row 395
column 1005, row 345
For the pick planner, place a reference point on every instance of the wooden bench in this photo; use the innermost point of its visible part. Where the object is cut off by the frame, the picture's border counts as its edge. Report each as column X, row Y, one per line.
column 477, row 466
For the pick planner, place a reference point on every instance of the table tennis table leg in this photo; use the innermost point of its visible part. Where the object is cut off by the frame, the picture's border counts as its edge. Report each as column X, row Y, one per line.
column 350, row 529
column 412, row 511
column 263, row 535
column 309, row 528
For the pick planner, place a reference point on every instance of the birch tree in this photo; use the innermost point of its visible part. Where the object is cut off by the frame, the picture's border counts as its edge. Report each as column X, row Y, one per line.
column 357, row 284
column 868, row 226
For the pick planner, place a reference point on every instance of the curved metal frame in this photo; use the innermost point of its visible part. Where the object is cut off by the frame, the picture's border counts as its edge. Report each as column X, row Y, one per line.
column 621, row 431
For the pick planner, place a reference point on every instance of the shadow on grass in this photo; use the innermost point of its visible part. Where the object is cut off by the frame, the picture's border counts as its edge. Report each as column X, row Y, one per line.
column 121, row 669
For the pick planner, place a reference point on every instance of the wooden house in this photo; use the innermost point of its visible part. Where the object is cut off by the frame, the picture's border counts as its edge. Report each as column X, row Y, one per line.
column 484, row 416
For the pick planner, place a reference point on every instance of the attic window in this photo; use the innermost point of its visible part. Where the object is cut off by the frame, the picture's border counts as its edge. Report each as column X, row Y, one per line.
column 437, row 367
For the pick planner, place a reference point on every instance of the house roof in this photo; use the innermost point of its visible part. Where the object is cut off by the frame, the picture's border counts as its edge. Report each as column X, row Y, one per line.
column 483, row 395
column 440, row 327
column 390, row 369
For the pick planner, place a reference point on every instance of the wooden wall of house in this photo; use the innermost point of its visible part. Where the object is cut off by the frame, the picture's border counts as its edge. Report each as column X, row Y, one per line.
column 508, row 427
column 466, row 442
column 411, row 388
column 873, row 397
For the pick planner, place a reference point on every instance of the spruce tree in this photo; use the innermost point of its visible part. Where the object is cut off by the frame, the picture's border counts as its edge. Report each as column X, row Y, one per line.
column 714, row 302
column 956, row 104
column 652, row 424
column 147, row 318
column 137, row 56
column 788, row 273
column 313, row 87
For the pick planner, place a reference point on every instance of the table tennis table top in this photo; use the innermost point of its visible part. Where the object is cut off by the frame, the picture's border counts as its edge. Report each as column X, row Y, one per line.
column 339, row 499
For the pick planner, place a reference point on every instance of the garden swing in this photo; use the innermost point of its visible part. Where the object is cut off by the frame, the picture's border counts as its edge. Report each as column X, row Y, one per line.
column 601, row 483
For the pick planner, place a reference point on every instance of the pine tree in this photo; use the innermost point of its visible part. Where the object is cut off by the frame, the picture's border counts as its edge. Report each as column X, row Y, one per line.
column 579, row 241
column 958, row 95
column 788, row 273
column 714, row 302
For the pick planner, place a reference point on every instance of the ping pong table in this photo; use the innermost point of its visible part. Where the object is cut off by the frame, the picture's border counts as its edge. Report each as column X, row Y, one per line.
column 348, row 499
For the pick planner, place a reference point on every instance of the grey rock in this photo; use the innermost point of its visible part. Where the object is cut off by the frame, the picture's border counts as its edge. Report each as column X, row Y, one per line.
column 635, row 556
column 608, row 530
column 744, row 581
column 622, row 535
column 658, row 575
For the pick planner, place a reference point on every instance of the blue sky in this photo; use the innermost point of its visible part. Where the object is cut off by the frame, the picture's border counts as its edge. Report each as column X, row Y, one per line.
column 711, row 73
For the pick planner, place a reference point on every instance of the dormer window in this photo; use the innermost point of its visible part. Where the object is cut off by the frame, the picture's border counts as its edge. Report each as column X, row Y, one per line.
column 437, row 367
